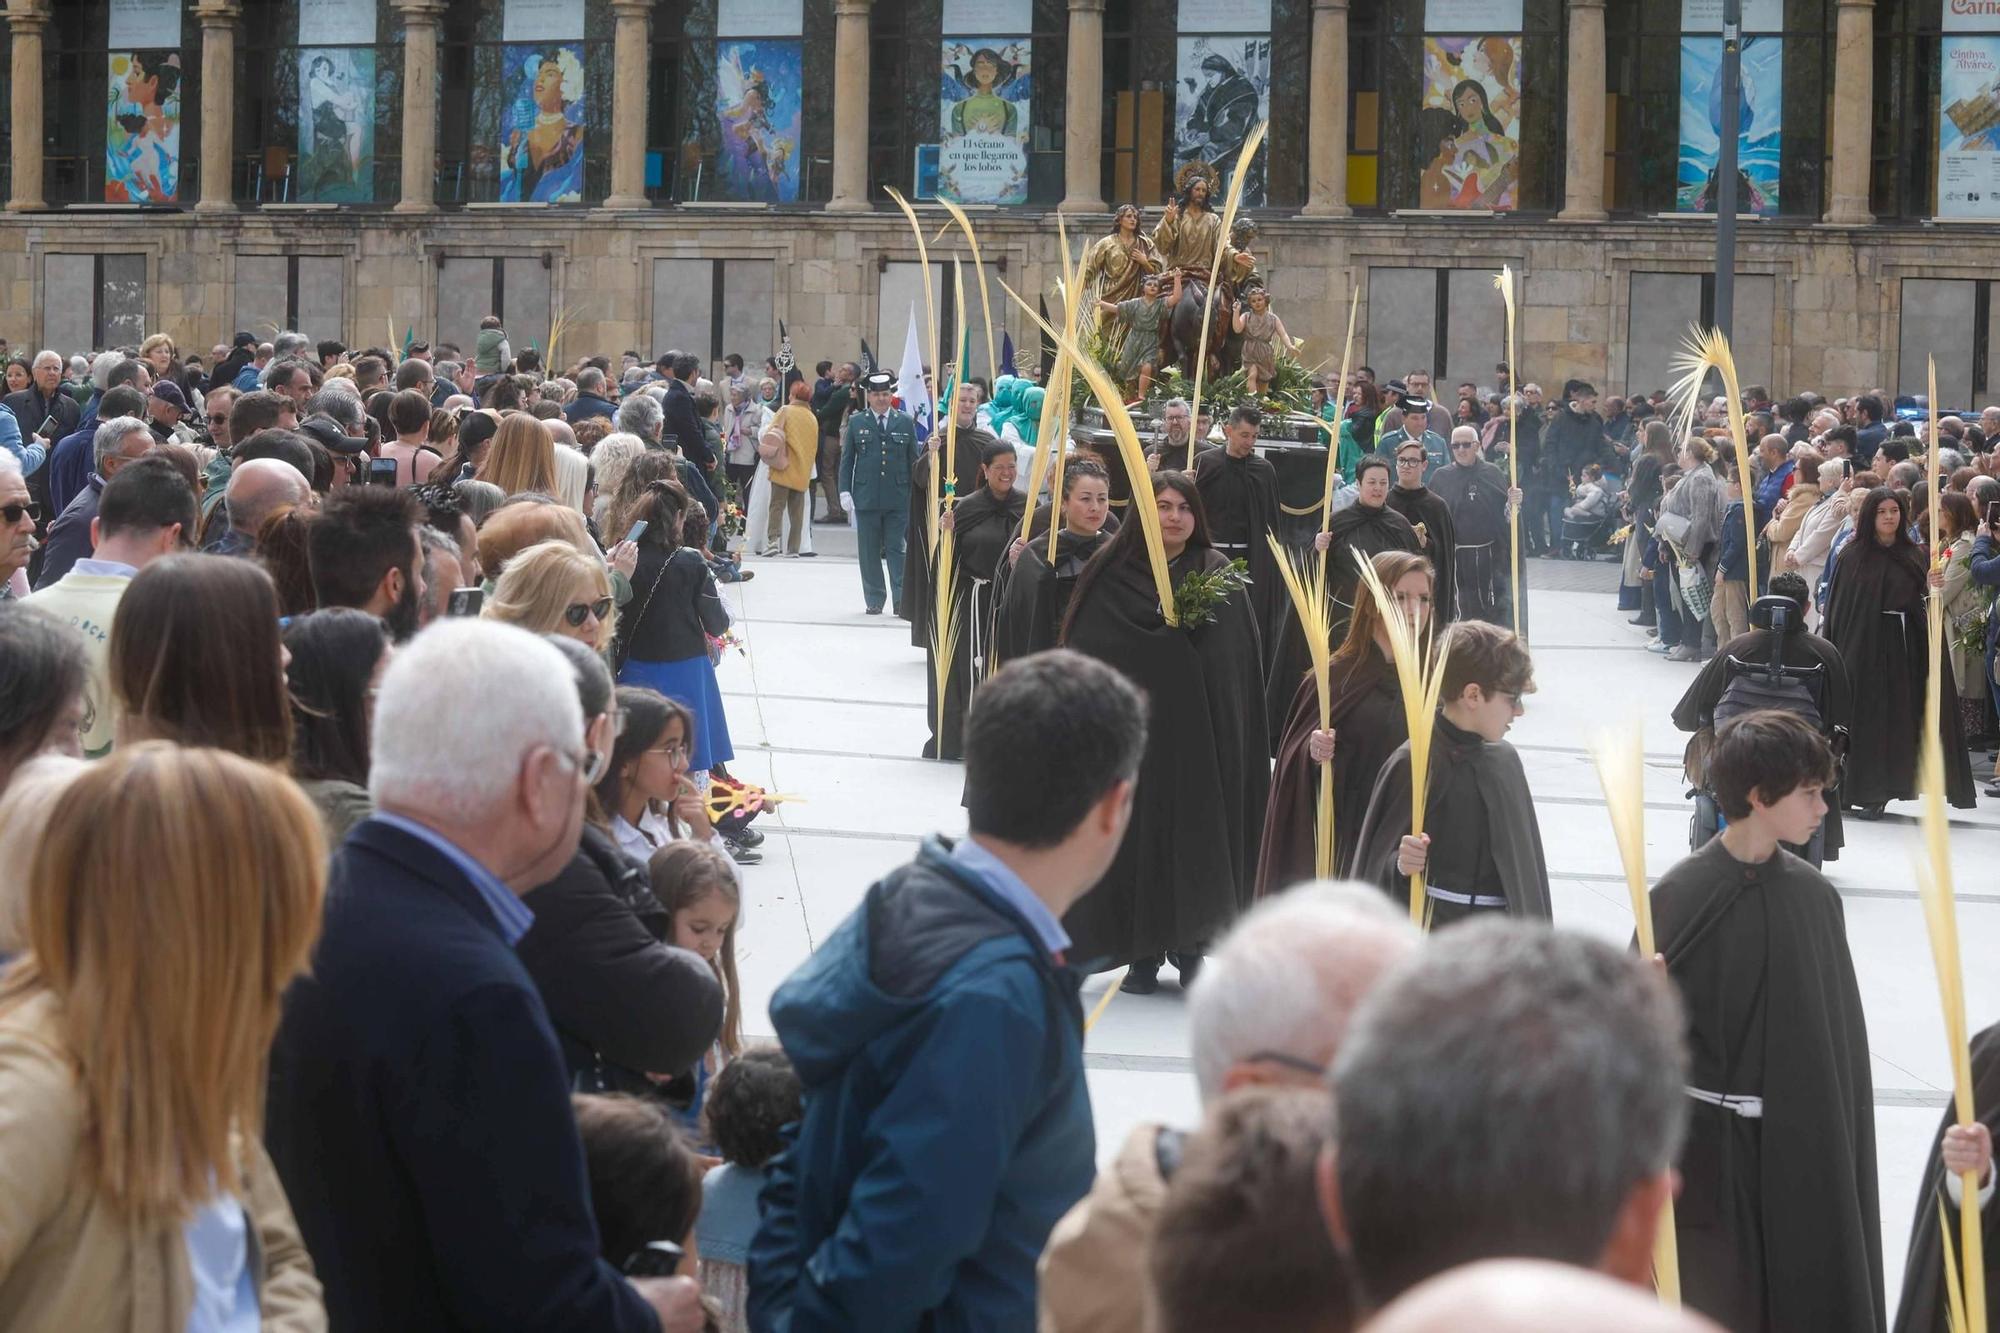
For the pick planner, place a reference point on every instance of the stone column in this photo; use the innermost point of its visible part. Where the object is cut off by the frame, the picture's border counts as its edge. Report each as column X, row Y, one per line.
column 1083, row 110
column 1853, row 149
column 28, row 19
column 850, row 107
column 1583, row 199
column 218, row 104
column 422, row 20
column 628, row 104
column 1326, row 115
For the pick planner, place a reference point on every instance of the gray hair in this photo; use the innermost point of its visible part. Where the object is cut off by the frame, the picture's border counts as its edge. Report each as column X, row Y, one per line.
column 1289, row 975
column 79, row 366
column 342, row 404
column 590, row 380
column 101, row 366
column 1503, row 1093
column 289, row 342
column 1173, row 403
column 435, row 545
column 1831, row 471
column 441, row 748
column 48, row 354
column 111, row 434
column 448, row 369
column 10, row 466
column 641, row 415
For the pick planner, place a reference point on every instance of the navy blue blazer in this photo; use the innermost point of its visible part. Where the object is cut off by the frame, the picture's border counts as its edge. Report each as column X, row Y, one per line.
column 419, row 1114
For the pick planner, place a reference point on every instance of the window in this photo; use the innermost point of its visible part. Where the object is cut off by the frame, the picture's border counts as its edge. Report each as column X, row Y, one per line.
column 1665, row 305
column 137, row 141
column 1449, row 321
column 303, row 292
column 319, row 120
column 712, row 307
column 90, row 302
column 500, row 140
column 515, row 287
column 1904, row 146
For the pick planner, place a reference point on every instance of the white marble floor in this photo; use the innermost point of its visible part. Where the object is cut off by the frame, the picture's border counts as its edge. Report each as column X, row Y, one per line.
column 826, row 705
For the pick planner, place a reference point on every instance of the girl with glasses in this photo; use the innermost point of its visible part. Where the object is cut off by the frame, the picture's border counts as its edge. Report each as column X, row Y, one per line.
column 647, row 793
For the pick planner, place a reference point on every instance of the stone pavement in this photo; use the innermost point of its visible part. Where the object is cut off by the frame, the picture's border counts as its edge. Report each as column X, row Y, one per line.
column 826, row 705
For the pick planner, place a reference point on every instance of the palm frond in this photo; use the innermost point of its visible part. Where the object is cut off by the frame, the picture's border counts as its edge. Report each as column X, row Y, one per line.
column 1705, row 351
column 1236, row 182
column 1304, row 574
column 1339, row 411
column 979, row 271
column 1510, row 297
column 1420, row 671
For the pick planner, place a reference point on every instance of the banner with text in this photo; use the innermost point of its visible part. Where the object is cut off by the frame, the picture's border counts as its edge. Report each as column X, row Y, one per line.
column 1971, row 16
column 983, row 120
column 1760, row 124
column 1472, row 15
column 1968, row 174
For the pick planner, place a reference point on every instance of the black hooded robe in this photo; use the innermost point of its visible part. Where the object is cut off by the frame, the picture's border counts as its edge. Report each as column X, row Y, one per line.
column 1922, row 1309
column 1038, row 593
column 1483, row 544
column 1485, row 840
column 919, row 593
column 982, row 529
column 1355, row 528
column 1427, row 511
column 1366, row 716
column 1875, row 617
column 1239, row 498
column 1777, row 1220
column 1189, row 857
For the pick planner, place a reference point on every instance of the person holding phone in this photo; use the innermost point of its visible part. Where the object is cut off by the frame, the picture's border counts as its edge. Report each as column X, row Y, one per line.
column 43, row 405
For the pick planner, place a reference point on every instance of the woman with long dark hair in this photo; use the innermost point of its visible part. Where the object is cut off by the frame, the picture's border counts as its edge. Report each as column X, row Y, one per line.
column 1188, row 861
column 1875, row 616
column 337, row 659
column 1038, row 590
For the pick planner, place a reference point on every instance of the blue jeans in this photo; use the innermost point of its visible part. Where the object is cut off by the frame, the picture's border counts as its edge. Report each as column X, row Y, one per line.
column 878, row 536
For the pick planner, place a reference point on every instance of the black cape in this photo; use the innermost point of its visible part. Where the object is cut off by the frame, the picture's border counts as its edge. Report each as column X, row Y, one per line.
column 1483, row 547
column 1777, row 1220
column 1485, row 839
column 982, row 529
column 1239, row 499
column 1037, row 593
column 1922, row 1309
column 1426, row 507
column 1186, row 866
column 919, row 593
column 1889, row 652
column 1695, row 713
column 1366, row 716
column 1355, row 528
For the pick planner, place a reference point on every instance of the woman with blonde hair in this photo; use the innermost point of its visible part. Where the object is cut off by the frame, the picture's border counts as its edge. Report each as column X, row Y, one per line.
column 573, row 479
column 524, row 522
column 170, row 902
column 613, row 459
column 31, row 798
column 523, row 457
column 553, row 588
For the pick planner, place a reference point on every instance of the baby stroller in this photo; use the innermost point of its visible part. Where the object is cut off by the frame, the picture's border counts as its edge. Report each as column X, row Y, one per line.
column 1751, row 687
column 1586, row 537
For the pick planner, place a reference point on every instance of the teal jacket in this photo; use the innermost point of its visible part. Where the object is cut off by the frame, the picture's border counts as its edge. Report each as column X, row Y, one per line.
column 875, row 463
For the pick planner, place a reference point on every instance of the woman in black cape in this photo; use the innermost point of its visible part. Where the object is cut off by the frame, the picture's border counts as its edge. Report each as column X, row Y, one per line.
column 1875, row 617
column 1189, row 858
column 1922, row 1309
column 982, row 525
column 1038, row 592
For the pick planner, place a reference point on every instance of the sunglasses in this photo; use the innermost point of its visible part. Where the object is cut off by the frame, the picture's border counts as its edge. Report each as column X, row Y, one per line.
column 578, row 612
column 12, row 513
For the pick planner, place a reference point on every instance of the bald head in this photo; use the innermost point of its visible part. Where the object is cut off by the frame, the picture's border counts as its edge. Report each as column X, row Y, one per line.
column 261, row 487
column 1532, row 1296
column 1286, row 979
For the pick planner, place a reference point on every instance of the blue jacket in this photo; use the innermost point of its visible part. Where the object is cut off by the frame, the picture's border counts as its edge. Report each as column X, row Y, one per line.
column 71, row 460
column 587, row 405
column 1733, row 566
column 69, row 536
column 947, row 1127
column 419, row 1114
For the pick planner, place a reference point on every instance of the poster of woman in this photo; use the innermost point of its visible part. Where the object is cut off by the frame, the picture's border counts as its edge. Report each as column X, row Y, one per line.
column 541, row 134
column 757, row 114
column 1469, row 126
column 983, row 104
column 142, row 137
column 1222, row 90
column 1760, row 124
column 336, row 126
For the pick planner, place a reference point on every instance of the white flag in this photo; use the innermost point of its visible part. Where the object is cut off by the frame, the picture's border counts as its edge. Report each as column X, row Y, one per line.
column 911, row 391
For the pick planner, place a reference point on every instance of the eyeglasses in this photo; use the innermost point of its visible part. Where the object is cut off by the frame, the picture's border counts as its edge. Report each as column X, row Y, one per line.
column 1288, row 1061
column 672, row 750
column 1415, row 461
column 589, row 764
column 12, row 513
column 578, row 612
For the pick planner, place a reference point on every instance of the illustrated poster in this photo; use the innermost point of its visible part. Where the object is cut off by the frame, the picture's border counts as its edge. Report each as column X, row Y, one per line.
column 142, row 133
column 757, row 113
column 983, row 120
column 542, row 128
column 1968, row 175
column 1760, row 124
column 1469, row 124
column 1222, row 91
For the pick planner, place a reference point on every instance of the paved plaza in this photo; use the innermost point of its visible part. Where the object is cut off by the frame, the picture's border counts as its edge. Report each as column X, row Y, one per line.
column 826, row 705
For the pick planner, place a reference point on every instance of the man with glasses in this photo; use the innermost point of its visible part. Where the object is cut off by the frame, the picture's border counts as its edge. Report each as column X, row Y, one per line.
column 1431, row 517
column 1476, row 495
column 18, row 515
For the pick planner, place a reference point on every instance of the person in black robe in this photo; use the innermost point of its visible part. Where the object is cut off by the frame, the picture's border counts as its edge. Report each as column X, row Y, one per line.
column 1875, row 617
column 1430, row 517
column 1239, row 496
column 982, row 525
column 1922, row 1309
column 1367, row 527
column 1777, row 1222
column 1482, row 851
column 1695, row 713
column 1365, row 726
column 1474, row 492
column 1189, row 857
column 1038, row 590
column 919, row 594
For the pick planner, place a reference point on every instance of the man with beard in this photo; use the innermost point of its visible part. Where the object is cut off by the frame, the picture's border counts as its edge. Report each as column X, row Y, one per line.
column 1431, row 517
column 1476, row 495
column 1239, row 493
column 364, row 552
column 1366, row 528
column 1186, row 240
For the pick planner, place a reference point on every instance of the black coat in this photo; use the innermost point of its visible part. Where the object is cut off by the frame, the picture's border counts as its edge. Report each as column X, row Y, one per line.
column 1440, row 543
column 1036, row 600
column 1239, row 498
column 31, row 409
column 675, row 606
column 919, row 597
column 1922, row 1309
column 982, row 529
column 419, row 1114
column 624, row 1003
column 681, row 421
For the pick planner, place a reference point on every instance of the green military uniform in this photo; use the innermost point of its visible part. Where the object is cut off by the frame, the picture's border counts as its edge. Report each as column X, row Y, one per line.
column 876, row 455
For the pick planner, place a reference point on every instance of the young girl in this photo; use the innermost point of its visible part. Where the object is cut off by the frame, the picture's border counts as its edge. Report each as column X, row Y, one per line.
column 646, row 790
column 755, row 1096
column 645, row 1185
column 1263, row 334
column 1139, row 349
column 697, row 885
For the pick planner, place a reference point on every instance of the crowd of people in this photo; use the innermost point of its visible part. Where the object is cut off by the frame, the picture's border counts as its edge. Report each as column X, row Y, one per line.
column 371, row 867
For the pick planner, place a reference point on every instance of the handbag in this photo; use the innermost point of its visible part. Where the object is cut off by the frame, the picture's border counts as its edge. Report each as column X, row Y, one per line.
column 1673, row 527
column 1697, row 588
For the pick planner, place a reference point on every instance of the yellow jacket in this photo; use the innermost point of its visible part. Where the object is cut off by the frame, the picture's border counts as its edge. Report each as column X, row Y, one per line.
column 800, row 429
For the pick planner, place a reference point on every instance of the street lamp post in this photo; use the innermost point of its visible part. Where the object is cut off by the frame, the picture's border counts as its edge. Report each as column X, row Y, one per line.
column 1731, row 76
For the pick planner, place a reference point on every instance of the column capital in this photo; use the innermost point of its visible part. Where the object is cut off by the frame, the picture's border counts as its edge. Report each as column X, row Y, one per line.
column 427, row 12
column 27, row 15
column 632, row 9
column 852, row 8
column 218, row 13
column 1329, row 6
column 1086, row 6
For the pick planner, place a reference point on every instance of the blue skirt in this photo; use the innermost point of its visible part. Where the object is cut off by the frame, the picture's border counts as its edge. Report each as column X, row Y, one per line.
column 690, row 681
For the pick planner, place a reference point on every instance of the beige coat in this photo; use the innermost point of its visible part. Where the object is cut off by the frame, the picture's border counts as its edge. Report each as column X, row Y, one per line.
column 1092, row 1275
column 1799, row 501
column 1964, row 604
column 66, row 1262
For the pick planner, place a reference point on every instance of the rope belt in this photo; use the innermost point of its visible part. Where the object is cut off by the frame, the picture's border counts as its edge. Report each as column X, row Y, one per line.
column 1750, row 1108
column 1463, row 899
